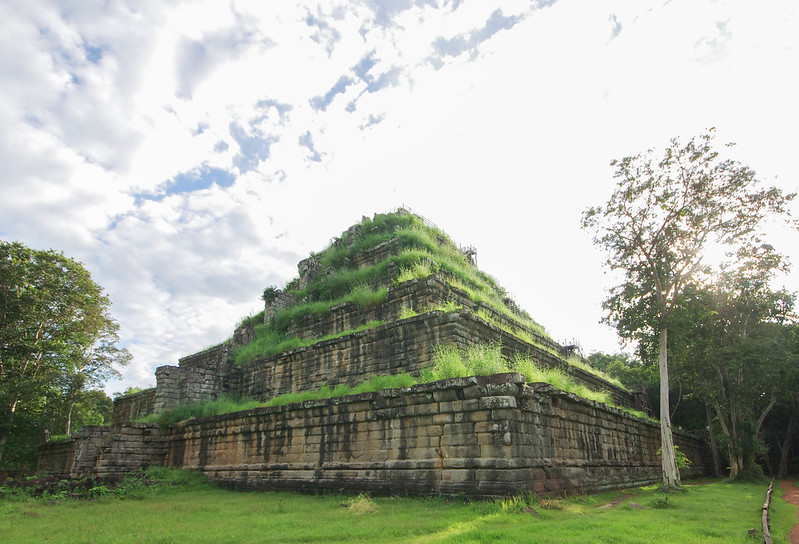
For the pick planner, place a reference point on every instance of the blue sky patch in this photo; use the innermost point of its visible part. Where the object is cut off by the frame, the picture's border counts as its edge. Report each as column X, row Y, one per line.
column 282, row 109
column 253, row 149
column 199, row 179
column 196, row 179
column 373, row 120
column 364, row 65
column 93, row 54
column 461, row 43
column 306, row 140
column 322, row 102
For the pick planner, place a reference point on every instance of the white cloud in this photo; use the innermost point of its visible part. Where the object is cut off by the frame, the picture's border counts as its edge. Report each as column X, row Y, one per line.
column 503, row 141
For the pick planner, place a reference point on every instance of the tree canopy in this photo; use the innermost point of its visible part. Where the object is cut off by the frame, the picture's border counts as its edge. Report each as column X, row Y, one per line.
column 57, row 342
column 732, row 341
column 667, row 210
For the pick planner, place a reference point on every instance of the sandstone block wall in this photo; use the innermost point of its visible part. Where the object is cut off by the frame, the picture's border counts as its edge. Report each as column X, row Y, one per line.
column 134, row 406
column 203, row 376
column 418, row 295
column 130, row 447
column 75, row 457
column 481, row 436
column 400, row 345
column 405, row 345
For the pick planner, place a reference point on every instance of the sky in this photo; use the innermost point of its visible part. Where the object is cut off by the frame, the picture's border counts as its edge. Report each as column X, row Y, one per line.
column 190, row 153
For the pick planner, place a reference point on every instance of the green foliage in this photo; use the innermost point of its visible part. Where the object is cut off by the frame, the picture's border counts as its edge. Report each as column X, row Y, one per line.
column 58, row 343
column 252, row 320
column 580, row 363
column 483, row 360
column 681, row 459
column 733, row 345
column 657, row 226
column 130, row 391
column 632, row 373
column 134, row 485
column 269, row 294
column 660, row 502
column 662, row 217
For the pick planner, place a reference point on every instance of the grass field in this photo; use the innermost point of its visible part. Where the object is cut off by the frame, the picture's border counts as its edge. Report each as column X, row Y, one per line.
column 708, row 513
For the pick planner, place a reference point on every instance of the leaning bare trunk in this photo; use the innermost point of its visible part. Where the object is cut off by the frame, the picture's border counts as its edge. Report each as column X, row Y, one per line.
column 671, row 476
column 69, row 419
column 714, row 447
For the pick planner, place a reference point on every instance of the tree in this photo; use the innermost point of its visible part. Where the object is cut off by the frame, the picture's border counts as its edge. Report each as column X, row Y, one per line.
column 660, row 220
column 56, row 338
column 733, row 340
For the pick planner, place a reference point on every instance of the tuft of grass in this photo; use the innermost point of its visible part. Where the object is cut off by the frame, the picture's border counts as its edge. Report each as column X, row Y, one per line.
column 448, row 307
column 364, row 296
column 252, row 319
column 360, row 504
column 448, row 362
column 407, row 313
column 486, row 359
column 417, row 271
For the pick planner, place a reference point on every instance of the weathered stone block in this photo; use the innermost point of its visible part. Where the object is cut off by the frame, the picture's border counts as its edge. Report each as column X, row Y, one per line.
column 493, row 403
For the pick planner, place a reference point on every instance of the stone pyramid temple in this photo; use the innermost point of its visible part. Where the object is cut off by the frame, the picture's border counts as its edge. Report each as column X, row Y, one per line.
column 387, row 299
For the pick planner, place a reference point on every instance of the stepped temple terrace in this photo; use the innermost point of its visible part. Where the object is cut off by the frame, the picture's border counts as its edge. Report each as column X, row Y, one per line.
column 390, row 364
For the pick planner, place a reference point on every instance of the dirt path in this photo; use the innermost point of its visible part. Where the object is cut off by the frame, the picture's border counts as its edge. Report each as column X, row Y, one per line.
column 791, row 494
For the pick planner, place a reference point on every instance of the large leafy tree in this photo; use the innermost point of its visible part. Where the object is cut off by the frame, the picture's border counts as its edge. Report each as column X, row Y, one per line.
column 57, row 339
column 667, row 210
column 733, row 342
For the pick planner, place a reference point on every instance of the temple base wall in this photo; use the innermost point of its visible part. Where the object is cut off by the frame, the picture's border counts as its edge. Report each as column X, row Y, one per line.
column 479, row 436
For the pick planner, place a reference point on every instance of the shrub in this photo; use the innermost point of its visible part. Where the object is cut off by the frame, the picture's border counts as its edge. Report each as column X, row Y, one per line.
column 660, row 502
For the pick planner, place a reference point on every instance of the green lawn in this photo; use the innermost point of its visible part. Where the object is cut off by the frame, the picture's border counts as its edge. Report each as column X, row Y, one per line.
column 709, row 513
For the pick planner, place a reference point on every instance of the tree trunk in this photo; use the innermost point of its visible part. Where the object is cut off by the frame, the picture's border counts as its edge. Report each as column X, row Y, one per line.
column 671, row 476
column 68, row 426
column 714, row 447
column 733, row 458
column 785, row 447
